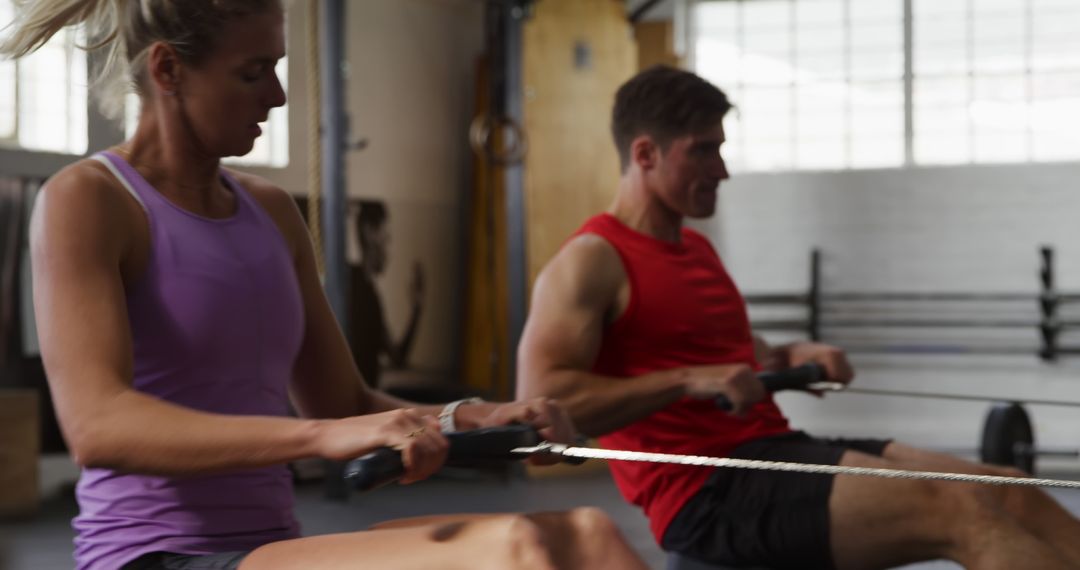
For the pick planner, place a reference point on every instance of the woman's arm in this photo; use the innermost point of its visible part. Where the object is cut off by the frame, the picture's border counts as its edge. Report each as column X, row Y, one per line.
column 82, row 231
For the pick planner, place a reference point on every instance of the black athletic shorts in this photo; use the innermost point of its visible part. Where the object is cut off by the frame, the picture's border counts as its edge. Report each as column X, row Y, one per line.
column 777, row 519
column 171, row 561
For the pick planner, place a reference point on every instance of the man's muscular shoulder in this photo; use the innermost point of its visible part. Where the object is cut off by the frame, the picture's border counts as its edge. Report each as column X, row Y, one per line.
column 588, row 270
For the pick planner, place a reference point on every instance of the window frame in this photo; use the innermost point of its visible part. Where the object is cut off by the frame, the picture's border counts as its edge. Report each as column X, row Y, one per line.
column 12, row 142
column 972, row 74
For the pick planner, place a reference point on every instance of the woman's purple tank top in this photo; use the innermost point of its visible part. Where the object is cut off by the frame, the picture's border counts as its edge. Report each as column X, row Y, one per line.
column 216, row 324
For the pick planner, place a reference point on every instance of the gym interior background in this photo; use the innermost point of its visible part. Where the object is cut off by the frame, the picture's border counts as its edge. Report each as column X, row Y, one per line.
column 923, row 146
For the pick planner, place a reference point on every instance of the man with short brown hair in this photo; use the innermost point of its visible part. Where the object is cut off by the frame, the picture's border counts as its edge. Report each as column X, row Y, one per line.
column 636, row 328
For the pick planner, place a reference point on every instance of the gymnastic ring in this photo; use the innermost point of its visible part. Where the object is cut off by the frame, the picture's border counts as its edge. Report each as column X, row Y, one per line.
column 482, row 142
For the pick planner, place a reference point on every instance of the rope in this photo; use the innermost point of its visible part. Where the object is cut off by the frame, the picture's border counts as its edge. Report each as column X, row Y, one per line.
column 314, row 213
column 614, row 455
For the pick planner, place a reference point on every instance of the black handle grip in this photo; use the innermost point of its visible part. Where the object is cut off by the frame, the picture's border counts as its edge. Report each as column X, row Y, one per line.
column 495, row 443
column 490, row 444
column 798, row 378
column 384, row 465
column 375, row 469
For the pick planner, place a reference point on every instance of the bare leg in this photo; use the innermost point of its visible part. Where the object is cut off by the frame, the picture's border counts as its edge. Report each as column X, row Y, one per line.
column 1032, row 508
column 577, row 540
column 882, row 523
column 429, row 520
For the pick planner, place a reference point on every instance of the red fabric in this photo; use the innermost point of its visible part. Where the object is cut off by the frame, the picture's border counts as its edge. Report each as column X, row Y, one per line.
column 684, row 310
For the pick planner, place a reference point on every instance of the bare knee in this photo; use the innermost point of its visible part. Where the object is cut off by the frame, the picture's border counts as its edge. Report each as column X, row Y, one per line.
column 525, row 547
column 978, row 512
column 935, row 498
column 584, row 537
column 597, row 542
column 953, row 513
column 593, row 522
column 1012, row 499
column 975, row 499
column 1020, row 501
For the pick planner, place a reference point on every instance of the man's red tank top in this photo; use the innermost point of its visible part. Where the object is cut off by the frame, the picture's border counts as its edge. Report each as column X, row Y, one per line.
column 684, row 310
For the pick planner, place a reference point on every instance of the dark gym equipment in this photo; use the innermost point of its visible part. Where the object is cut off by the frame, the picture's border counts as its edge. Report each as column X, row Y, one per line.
column 964, row 397
column 827, row 312
column 798, row 378
column 1008, row 438
column 467, row 448
column 1007, row 435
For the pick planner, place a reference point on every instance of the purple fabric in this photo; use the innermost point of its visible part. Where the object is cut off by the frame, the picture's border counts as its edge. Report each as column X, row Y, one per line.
column 216, row 323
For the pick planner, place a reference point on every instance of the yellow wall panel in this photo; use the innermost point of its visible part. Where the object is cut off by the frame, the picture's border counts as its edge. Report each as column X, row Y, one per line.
column 576, row 54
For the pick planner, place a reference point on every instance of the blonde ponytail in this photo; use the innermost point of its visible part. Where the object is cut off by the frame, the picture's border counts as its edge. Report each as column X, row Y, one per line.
column 121, row 31
column 37, row 21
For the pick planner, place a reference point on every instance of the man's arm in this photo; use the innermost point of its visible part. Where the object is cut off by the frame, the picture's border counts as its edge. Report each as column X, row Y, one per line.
column 572, row 302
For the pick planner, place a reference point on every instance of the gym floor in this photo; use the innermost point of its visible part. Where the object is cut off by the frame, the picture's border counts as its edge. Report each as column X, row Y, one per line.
column 44, row 542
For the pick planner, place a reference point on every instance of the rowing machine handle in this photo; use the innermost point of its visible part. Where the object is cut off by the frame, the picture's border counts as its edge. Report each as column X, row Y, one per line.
column 797, row 378
column 378, row 468
column 384, row 465
column 494, row 444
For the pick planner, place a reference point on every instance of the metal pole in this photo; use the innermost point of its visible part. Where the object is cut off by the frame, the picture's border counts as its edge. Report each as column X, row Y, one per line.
column 331, row 47
column 331, row 44
column 517, row 269
column 1048, row 302
column 814, row 298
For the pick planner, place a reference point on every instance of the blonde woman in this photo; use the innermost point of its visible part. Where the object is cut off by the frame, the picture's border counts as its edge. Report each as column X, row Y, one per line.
column 179, row 309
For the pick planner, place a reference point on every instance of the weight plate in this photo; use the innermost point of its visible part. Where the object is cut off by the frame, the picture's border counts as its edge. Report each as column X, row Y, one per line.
column 1008, row 438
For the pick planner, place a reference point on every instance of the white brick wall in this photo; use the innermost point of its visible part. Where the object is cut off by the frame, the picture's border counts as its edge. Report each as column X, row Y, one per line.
column 970, row 228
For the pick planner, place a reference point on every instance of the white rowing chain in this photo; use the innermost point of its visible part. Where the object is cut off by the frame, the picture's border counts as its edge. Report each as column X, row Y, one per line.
column 616, row 455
